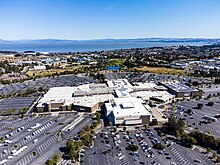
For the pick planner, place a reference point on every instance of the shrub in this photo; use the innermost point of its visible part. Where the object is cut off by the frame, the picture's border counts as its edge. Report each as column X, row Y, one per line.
column 34, row 153
column 210, row 103
column 158, row 146
column 199, row 106
column 132, row 147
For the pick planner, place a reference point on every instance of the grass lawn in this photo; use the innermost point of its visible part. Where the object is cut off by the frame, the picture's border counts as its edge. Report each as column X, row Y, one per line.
column 46, row 73
column 162, row 70
column 116, row 62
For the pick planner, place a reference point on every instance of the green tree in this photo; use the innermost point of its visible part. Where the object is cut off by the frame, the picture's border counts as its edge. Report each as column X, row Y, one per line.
column 95, row 124
column 211, row 103
column 189, row 111
column 98, row 116
column 56, row 158
column 50, row 162
column 73, row 155
column 208, row 150
column 132, row 147
column 87, row 128
column 177, row 134
column 199, row 105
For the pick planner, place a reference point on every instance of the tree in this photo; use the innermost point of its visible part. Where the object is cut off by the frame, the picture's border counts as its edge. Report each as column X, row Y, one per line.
column 73, row 149
column 69, row 144
column 95, row 124
column 208, row 150
column 177, row 134
column 87, row 128
column 56, row 158
column 189, row 141
column 73, row 155
column 189, row 111
column 158, row 146
column 34, row 153
column 124, row 129
column 211, row 103
column 50, row 162
column 71, row 107
column 98, row 116
column 15, row 146
column 199, row 105
column 214, row 155
column 195, row 83
column 87, row 140
column 132, row 147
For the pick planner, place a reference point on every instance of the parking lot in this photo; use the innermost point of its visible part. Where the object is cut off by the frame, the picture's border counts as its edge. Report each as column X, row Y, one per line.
column 16, row 104
column 147, row 77
column 110, row 148
column 34, row 140
column 45, row 83
column 197, row 118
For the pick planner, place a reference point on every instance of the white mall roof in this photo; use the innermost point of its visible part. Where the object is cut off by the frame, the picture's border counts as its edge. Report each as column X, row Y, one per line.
column 119, row 83
column 126, row 107
column 58, row 94
column 146, row 95
column 90, row 101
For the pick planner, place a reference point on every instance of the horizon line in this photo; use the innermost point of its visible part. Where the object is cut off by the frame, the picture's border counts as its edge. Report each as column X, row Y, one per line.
column 111, row 38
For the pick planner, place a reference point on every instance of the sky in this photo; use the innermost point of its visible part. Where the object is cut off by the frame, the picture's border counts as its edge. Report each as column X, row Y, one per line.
column 109, row 19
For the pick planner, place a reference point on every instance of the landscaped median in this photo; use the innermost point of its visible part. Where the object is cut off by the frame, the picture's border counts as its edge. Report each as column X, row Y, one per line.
column 85, row 139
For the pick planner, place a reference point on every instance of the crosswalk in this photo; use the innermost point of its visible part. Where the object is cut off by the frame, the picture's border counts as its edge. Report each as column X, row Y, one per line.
column 25, row 160
column 29, row 157
column 179, row 156
column 47, row 143
column 7, row 124
column 124, row 160
column 152, row 160
column 92, row 159
column 210, row 128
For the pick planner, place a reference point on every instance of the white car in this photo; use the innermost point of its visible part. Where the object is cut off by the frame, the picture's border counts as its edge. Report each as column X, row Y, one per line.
column 119, row 154
column 121, row 157
column 10, row 157
column 107, row 145
column 24, row 147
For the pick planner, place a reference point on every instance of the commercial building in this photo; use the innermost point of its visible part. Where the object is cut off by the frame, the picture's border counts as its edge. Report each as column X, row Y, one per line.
column 86, row 98
column 127, row 111
column 90, row 103
column 181, row 90
column 119, row 83
column 56, row 99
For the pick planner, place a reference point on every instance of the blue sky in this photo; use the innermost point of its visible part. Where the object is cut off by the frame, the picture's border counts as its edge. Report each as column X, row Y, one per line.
column 101, row 19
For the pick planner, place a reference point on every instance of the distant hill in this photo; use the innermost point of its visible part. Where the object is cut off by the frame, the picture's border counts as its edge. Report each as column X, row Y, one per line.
column 4, row 41
column 54, row 41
